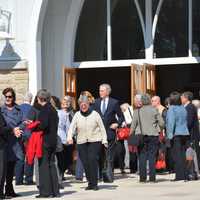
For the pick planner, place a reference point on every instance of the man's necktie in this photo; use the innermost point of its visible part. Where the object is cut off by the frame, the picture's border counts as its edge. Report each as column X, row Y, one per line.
column 104, row 107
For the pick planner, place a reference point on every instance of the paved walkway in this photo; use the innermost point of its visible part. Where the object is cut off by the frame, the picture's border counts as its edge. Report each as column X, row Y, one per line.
column 125, row 187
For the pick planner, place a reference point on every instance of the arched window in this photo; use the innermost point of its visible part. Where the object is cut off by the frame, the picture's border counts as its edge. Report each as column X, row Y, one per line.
column 91, row 32
column 127, row 36
column 171, row 39
column 196, row 28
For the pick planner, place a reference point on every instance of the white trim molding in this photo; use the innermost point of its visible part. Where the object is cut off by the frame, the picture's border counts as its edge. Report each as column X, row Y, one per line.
column 34, row 44
column 190, row 28
column 125, row 63
column 109, row 31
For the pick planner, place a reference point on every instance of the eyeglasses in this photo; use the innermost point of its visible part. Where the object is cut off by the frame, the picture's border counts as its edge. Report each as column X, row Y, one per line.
column 8, row 97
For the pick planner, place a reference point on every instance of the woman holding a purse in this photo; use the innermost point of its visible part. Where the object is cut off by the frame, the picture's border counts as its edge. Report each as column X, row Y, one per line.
column 146, row 125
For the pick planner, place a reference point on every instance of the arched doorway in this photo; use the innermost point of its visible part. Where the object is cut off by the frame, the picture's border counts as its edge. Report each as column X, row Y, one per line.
column 51, row 42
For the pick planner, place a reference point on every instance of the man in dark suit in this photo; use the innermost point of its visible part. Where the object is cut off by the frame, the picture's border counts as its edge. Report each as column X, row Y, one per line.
column 112, row 117
column 192, row 121
column 48, row 117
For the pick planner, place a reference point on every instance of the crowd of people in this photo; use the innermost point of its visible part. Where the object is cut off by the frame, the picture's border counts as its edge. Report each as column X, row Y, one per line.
column 49, row 138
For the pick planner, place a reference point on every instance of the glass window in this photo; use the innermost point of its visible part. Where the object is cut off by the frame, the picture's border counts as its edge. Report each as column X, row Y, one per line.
column 90, row 44
column 171, row 39
column 154, row 6
column 196, row 28
column 127, row 36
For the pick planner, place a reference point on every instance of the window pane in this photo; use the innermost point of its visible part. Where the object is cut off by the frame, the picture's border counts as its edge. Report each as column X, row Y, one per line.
column 171, row 39
column 90, row 42
column 127, row 36
column 154, row 6
column 196, row 27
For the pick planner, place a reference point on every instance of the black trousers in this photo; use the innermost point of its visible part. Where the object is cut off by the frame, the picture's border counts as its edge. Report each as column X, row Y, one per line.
column 61, row 161
column 68, row 156
column 89, row 155
column 3, row 165
column 133, row 162
column 47, row 173
column 9, row 177
column 169, row 160
column 120, row 152
column 148, row 152
column 179, row 145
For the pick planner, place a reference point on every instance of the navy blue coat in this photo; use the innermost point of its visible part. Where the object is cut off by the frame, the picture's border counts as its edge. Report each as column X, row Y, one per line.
column 109, row 116
column 192, row 122
column 14, row 118
column 4, row 132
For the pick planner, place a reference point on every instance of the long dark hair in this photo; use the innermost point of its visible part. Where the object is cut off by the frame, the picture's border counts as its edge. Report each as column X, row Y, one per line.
column 175, row 98
column 36, row 104
column 12, row 91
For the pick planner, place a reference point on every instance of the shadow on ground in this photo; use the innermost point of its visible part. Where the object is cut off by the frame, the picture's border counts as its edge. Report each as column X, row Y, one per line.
column 29, row 193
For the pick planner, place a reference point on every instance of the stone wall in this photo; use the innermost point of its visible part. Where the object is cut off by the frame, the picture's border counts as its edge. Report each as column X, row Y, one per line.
column 16, row 78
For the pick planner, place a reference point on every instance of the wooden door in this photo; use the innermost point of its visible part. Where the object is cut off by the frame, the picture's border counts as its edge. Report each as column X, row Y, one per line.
column 150, row 79
column 142, row 80
column 70, row 83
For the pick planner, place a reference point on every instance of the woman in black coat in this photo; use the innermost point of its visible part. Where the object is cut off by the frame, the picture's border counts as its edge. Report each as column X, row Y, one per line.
column 48, row 179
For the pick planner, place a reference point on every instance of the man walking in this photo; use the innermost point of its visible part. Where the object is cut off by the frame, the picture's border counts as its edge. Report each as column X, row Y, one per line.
column 112, row 117
column 193, row 125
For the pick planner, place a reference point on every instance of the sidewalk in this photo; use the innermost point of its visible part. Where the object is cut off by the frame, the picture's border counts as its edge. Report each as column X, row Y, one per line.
column 124, row 187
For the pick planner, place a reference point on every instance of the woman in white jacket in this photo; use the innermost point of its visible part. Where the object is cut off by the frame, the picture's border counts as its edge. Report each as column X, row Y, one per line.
column 91, row 134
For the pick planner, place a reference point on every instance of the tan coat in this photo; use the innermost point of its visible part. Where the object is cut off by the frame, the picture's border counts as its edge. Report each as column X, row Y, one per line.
column 88, row 129
column 151, row 121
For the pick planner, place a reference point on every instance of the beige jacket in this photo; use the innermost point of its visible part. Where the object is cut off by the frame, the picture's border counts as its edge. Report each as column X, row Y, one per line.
column 151, row 121
column 88, row 129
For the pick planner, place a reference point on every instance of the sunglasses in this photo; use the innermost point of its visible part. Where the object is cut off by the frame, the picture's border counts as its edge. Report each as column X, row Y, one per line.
column 8, row 97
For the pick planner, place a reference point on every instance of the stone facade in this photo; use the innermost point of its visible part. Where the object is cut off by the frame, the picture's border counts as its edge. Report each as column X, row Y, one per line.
column 17, row 78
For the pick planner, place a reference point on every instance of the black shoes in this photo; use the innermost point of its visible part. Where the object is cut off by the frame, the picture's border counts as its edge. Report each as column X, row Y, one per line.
column 11, row 195
column 47, row 196
column 123, row 172
column 175, row 180
column 95, row 188
column 44, row 196
column 4, row 197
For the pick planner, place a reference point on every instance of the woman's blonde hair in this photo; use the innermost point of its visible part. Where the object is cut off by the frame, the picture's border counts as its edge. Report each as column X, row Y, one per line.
column 86, row 93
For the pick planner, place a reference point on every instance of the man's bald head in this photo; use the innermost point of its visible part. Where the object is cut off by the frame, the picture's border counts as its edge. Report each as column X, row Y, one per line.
column 155, row 101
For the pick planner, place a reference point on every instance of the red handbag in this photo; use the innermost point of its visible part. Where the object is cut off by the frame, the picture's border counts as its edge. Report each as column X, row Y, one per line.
column 123, row 133
column 161, row 163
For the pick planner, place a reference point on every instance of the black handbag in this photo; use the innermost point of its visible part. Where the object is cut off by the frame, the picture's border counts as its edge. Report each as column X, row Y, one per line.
column 138, row 140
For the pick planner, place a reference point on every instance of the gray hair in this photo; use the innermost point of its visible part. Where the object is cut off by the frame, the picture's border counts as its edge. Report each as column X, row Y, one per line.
column 146, row 99
column 107, row 86
column 44, row 95
column 28, row 97
column 188, row 95
column 196, row 102
column 138, row 97
column 83, row 99
column 68, row 98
